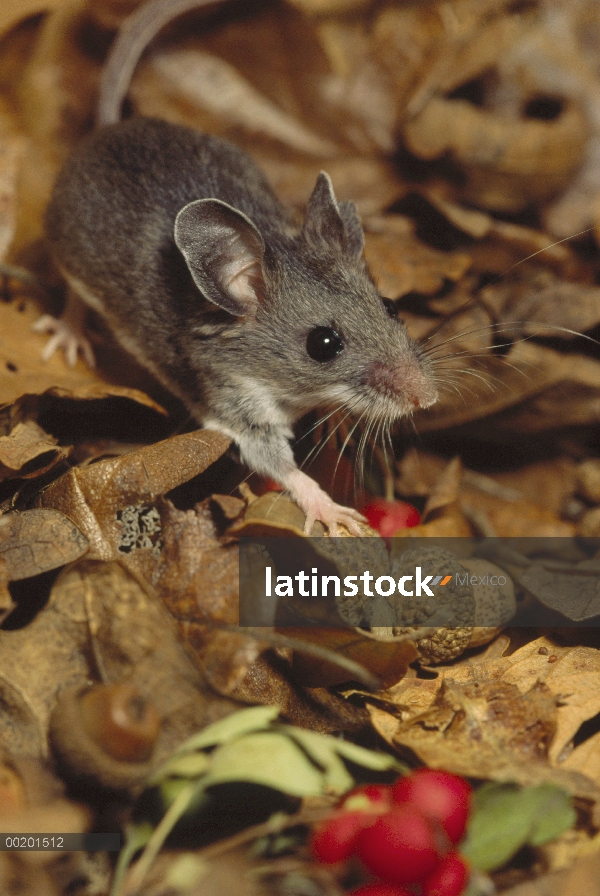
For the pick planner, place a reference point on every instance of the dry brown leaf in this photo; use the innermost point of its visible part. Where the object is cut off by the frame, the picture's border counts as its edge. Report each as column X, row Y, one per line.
column 583, row 877
column 541, row 387
column 110, row 500
column 386, row 658
column 537, row 303
column 498, row 516
column 99, row 624
column 400, row 263
column 27, row 451
column 486, row 723
column 273, row 514
column 196, row 575
column 269, row 682
column 331, row 7
column 11, row 151
column 571, row 680
column 15, row 11
column 585, row 758
column 486, row 730
column 216, row 90
column 539, row 157
column 417, row 473
column 6, row 602
column 22, row 371
column 36, row 541
column 135, row 640
column 445, row 490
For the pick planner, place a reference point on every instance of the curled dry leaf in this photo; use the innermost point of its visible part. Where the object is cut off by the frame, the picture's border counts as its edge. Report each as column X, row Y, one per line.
column 445, row 490
column 15, row 11
column 107, row 498
column 493, row 688
column 215, row 88
column 135, row 640
column 487, row 730
column 275, row 514
column 401, row 263
column 495, row 150
column 269, row 681
column 27, row 451
column 442, row 515
column 22, row 371
column 501, row 516
column 509, row 157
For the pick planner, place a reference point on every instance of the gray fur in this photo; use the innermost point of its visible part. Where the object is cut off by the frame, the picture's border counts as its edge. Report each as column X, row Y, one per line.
column 233, row 349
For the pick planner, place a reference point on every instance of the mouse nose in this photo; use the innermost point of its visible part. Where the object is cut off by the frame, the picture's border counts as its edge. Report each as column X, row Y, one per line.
column 406, row 380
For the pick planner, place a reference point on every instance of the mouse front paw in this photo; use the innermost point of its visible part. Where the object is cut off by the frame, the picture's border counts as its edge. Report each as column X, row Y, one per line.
column 66, row 337
column 317, row 505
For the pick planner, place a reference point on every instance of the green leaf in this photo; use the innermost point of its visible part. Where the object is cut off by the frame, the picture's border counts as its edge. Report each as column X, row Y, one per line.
column 255, row 718
column 377, row 762
column 322, row 750
column 555, row 813
column 189, row 766
column 498, row 827
column 506, row 817
column 321, row 746
column 269, row 758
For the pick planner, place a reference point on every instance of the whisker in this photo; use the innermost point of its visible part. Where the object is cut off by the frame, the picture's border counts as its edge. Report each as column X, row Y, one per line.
column 316, row 449
column 545, row 249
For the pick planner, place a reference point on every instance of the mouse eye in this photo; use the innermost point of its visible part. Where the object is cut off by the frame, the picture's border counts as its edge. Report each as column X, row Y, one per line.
column 323, row 344
column 391, row 307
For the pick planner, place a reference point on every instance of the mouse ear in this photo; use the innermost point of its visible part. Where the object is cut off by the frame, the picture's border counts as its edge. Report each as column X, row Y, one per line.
column 330, row 225
column 223, row 251
column 355, row 235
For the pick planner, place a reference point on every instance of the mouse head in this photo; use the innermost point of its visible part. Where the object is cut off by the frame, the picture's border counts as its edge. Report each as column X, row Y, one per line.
column 314, row 322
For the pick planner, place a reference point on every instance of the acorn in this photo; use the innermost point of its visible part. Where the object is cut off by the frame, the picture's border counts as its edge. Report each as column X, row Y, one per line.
column 107, row 733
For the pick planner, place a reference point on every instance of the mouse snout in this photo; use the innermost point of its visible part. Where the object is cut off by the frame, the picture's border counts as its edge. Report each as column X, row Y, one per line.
column 404, row 381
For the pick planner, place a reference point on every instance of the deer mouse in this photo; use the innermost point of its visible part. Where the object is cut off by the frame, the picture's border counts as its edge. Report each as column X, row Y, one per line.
column 177, row 240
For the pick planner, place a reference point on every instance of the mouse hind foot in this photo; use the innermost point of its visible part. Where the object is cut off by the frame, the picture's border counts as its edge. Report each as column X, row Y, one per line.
column 68, row 333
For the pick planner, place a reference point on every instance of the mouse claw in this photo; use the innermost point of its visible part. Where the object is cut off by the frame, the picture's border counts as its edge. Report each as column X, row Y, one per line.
column 66, row 338
column 318, row 506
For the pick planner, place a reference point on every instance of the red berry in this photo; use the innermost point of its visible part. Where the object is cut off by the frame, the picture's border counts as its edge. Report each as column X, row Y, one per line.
column 449, row 878
column 387, row 517
column 369, row 798
column 380, row 888
column 438, row 795
column 399, row 846
column 335, row 839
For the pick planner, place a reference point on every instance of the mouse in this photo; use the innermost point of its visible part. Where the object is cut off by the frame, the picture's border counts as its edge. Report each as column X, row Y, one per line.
column 177, row 239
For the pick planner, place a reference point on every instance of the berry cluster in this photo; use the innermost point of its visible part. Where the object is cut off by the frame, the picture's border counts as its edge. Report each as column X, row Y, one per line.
column 404, row 834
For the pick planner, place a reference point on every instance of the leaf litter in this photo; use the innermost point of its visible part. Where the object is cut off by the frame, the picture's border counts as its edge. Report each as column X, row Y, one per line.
column 467, row 135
